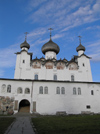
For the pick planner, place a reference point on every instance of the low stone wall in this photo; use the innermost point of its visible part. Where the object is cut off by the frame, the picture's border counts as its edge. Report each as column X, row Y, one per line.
column 87, row 112
column 6, row 105
column 61, row 113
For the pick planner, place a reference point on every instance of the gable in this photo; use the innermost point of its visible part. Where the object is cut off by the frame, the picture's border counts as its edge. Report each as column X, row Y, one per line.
column 73, row 66
column 36, row 64
column 60, row 65
column 49, row 65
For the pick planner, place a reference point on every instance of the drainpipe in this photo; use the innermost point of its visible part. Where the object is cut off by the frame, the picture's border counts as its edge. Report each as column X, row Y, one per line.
column 31, row 98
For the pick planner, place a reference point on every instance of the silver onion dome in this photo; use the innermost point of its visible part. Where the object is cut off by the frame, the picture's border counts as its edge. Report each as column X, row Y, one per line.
column 50, row 46
column 25, row 44
column 80, row 47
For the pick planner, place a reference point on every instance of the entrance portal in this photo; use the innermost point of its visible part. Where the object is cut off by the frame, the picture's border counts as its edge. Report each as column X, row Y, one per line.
column 24, row 106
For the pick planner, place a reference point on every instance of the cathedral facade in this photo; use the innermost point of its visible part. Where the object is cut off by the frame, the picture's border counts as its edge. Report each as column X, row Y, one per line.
column 50, row 86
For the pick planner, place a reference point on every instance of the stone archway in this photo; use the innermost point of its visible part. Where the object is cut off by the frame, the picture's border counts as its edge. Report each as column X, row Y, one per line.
column 24, row 106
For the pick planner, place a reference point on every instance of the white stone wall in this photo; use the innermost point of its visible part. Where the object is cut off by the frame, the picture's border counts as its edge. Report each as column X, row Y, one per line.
column 73, row 104
column 50, row 55
column 85, row 70
column 14, row 86
column 22, row 65
column 25, row 71
column 52, row 103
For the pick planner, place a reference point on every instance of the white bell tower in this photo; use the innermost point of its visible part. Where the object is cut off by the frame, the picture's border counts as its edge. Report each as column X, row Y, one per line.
column 23, row 60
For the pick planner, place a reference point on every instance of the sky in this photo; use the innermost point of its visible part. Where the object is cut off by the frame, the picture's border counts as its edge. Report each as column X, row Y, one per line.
column 68, row 18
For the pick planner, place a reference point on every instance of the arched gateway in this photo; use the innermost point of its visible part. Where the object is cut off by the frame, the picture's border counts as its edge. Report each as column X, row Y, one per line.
column 24, row 106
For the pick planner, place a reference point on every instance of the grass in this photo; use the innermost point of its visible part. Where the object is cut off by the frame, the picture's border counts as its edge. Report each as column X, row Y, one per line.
column 80, row 124
column 5, row 122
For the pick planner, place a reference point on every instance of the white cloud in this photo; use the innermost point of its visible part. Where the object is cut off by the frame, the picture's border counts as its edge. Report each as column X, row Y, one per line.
column 93, row 27
column 34, row 4
column 94, row 51
column 7, row 57
column 95, row 44
column 66, row 14
column 37, row 33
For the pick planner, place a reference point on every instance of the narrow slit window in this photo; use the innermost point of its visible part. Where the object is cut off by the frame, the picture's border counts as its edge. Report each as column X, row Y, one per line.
column 83, row 65
column 23, row 61
column 92, row 93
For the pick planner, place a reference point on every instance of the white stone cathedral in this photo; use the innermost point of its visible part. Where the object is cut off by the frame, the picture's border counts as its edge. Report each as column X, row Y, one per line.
column 50, row 86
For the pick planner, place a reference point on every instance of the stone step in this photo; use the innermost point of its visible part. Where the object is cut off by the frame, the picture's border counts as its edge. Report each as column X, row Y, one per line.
column 25, row 109
column 22, row 114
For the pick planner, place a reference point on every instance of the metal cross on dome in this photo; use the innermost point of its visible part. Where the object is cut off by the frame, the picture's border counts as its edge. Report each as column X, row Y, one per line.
column 26, row 35
column 80, row 39
column 50, row 31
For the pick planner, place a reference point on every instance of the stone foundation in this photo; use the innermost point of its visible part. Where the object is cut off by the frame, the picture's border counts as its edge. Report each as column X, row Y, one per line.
column 6, row 105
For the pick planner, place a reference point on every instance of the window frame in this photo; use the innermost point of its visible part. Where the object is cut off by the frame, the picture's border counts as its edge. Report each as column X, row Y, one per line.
column 54, row 77
column 57, row 90
column 92, row 92
column 45, row 90
column 74, row 91
column 72, row 77
column 36, row 76
column 19, row 89
column 9, row 88
column 41, row 90
column 62, row 90
column 23, row 61
column 26, row 91
column 79, row 91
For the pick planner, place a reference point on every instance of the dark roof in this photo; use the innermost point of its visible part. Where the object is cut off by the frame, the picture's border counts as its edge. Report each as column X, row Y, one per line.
column 80, row 47
column 85, row 56
column 50, row 46
column 75, row 56
column 82, row 82
column 25, row 44
column 25, row 51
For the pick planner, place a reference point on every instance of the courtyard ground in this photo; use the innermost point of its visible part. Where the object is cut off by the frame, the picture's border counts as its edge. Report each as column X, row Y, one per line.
column 73, row 124
column 5, row 122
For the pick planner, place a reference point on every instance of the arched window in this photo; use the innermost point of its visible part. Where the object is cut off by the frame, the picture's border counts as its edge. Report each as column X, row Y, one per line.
column 19, row 90
column 9, row 89
column 72, row 77
column 58, row 90
column 55, row 77
column 74, row 90
column 3, row 88
column 27, row 91
column 45, row 90
column 41, row 90
column 79, row 91
column 36, row 77
column 62, row 90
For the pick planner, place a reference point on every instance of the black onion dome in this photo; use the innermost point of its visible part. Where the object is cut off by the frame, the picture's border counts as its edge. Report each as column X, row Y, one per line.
column 25, row 44
column 50, row 46
column 80, row 47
